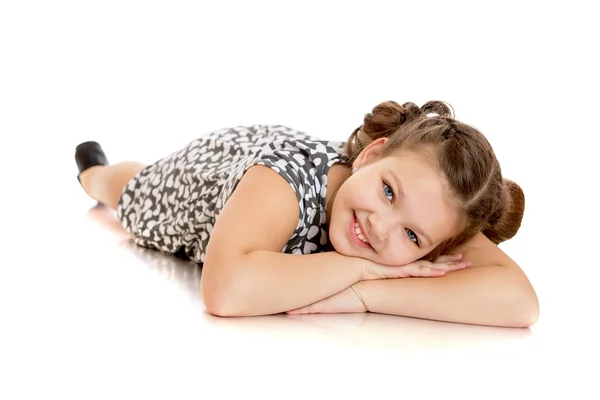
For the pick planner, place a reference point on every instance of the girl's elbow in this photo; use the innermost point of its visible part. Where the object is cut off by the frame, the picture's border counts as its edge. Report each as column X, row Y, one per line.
column 521, row 302
column 214, row 305
column 532, row 312
column 218, row 298
column 221, row 305
column 525, row 310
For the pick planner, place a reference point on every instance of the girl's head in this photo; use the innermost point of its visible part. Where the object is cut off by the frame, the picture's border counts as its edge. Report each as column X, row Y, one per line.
column 423, row 184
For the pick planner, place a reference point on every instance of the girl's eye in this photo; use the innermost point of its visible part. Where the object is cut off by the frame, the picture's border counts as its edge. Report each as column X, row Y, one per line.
column 388, row 192
column 412, row 236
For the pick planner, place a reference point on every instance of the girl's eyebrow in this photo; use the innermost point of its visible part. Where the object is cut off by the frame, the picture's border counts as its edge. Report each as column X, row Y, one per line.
column 416, row 228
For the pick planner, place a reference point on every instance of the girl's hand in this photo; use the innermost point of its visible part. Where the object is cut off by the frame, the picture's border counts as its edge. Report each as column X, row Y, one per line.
column 345, row 301
column 348, row 301
column 420, row 268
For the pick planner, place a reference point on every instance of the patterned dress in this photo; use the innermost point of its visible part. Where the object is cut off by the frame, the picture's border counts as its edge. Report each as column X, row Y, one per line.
column 172, row 204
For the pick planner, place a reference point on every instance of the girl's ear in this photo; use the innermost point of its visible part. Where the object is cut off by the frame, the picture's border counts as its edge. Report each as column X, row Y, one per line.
column 370, row 153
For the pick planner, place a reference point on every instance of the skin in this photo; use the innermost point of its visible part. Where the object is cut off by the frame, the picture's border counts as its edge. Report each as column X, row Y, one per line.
column 395, row 199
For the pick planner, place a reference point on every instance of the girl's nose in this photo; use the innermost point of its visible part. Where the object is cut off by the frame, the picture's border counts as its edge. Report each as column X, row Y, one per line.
column 384, row 225
column 378, row 227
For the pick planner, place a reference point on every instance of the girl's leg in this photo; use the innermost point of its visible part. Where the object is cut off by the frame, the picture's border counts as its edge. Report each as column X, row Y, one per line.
column 105, row 183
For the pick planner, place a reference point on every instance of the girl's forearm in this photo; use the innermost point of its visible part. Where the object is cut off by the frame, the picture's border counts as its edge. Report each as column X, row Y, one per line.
column 486, row 295
column 267, row 282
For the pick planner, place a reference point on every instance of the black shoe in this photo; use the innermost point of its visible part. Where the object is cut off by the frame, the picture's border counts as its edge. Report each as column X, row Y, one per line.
column 89, row 154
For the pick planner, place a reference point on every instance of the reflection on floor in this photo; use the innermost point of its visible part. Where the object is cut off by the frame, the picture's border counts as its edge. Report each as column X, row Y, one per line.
column 110, row 319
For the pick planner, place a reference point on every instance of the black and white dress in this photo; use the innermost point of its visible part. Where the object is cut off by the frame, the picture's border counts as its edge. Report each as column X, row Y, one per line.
column 172, row 204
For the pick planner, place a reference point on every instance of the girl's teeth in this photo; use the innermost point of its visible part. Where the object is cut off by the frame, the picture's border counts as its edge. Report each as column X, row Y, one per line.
column 359, row 233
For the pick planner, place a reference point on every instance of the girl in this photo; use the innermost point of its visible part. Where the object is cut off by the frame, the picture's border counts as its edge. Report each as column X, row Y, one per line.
column 403, row 218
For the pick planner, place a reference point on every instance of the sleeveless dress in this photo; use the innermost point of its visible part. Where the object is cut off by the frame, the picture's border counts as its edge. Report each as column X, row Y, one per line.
column 171, row 205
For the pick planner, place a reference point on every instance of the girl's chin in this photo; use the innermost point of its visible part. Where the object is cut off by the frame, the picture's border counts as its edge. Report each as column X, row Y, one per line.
column 331, row 247
column 338, row 241
column 344, row 249
column 332, row 244
column 336, row 245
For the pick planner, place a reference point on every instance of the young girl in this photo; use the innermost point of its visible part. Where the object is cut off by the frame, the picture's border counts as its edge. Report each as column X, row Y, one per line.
column 403, row 218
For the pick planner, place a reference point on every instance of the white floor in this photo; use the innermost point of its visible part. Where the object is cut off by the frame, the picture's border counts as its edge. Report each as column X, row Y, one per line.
column 86, row 315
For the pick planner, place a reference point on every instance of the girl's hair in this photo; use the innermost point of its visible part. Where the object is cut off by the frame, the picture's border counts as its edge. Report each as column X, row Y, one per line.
column 487, row 202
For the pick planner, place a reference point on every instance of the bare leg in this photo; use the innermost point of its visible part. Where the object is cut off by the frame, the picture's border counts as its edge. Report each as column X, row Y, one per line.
column 105, row 183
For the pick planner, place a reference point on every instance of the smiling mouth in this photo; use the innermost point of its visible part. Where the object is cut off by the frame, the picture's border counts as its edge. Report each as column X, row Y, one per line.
column 358, row 232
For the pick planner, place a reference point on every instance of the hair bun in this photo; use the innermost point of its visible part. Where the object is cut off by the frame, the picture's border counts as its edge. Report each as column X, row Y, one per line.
column 504, row 223
column 387, row 117
column 440, row 108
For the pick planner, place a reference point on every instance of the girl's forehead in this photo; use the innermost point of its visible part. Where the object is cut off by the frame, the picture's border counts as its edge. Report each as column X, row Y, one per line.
column 421, row 163
column 424, row 153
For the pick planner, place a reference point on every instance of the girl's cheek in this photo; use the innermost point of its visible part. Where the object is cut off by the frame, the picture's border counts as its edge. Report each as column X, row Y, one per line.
column 399, row 255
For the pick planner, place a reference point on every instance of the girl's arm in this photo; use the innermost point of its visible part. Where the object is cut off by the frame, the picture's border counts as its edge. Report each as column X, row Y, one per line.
column 245, row 273
column 494, row 291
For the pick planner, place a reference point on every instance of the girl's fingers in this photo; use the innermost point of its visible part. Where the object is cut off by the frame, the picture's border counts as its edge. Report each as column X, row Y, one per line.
column 428, row 272
column 424, row 268
column 436, row 269
column 449, row 258
column 425, row 271
column 452, row 266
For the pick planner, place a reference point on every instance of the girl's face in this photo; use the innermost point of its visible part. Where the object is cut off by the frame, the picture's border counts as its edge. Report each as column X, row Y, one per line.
column 393, row 210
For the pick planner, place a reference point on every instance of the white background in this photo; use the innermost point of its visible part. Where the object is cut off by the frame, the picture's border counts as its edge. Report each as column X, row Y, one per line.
column 84, row 316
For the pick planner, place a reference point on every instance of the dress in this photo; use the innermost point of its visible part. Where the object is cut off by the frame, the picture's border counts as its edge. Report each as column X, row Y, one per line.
column 172, row 204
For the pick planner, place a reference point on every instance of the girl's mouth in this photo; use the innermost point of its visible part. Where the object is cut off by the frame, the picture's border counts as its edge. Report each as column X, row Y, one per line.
column 356, row 235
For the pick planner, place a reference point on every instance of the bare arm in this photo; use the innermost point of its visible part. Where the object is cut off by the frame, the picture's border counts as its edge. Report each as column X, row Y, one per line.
column 269, row 282
column 245, row 272
column 494, row 291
